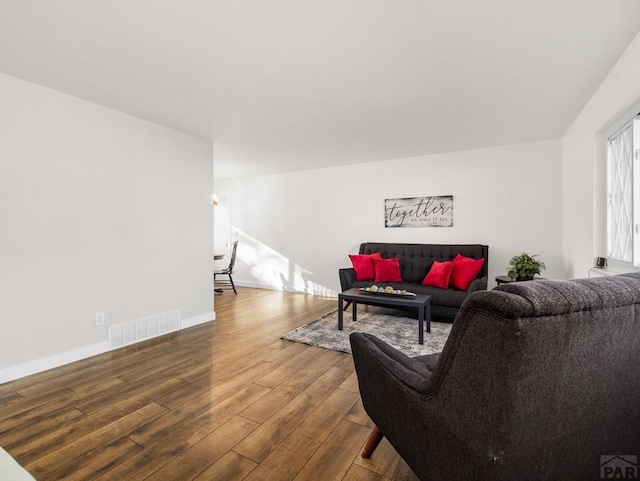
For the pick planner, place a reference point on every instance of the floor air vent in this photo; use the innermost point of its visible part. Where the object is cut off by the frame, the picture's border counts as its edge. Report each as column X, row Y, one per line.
column 141, row 329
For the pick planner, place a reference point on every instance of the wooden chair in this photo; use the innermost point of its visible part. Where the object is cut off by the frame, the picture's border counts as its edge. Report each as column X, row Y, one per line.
column 226, row 284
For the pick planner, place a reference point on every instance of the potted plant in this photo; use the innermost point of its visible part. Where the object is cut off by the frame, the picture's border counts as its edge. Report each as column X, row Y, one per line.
column 525, row 266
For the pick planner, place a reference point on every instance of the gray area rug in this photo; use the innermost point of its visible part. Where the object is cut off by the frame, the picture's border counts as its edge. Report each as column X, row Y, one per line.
column 399, row 332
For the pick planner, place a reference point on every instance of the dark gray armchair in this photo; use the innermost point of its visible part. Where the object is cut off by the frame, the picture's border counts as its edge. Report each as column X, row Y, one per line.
column 537, row 381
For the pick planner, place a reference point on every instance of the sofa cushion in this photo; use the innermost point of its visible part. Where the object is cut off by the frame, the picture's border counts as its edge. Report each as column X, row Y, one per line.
column 387, row 270
column 438, row 275
column 465, row 269
column 363, row 265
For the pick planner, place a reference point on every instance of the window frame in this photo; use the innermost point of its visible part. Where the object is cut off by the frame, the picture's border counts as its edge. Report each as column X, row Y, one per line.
column 630, row 120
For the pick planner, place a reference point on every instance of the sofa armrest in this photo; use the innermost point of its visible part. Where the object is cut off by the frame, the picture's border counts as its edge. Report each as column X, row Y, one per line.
column 347, row 277
column 478, row 285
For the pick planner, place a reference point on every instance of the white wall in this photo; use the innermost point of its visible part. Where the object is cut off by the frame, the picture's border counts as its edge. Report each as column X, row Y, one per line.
column 584, row 158
column 99, row 211
column 295, row 230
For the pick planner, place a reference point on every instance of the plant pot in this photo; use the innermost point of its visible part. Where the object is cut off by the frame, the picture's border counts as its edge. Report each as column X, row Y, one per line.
column 519, row 279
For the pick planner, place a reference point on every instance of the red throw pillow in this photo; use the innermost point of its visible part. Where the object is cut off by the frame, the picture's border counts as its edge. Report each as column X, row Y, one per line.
column 465, row 270
column 387, row 270
column 438, row 275
column 363, row 265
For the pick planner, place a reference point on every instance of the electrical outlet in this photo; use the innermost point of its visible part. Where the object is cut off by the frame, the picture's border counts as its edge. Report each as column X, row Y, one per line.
column 99, row 318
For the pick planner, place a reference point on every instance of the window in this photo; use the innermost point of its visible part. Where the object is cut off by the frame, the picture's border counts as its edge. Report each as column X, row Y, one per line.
column 623, row 193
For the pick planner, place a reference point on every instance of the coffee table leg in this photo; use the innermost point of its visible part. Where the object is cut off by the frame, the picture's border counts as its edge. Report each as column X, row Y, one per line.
column 420, row 325
column 427, row 316
column 340, row 303
column 354, row 315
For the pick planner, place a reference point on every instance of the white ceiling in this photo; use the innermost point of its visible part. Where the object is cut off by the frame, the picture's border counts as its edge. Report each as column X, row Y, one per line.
column 286, row 85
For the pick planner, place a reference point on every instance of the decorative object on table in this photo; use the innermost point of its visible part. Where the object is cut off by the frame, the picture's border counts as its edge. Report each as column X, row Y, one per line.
column 525, row 266
column 387, row 290
column 434, row 211
column 399, row 332
column 601, row 262
column 221, row 285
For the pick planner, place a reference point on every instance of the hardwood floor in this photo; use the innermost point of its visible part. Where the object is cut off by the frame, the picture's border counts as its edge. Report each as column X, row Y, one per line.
column 227, row 400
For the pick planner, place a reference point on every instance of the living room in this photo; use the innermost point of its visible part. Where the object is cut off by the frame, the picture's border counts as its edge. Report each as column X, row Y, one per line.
column 558, row 213
column 104, row 211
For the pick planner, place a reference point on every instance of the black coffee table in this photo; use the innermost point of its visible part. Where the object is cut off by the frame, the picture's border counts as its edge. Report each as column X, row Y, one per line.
column 419, row 301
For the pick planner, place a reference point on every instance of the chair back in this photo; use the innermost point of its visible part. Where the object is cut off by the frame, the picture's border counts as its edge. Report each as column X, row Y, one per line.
column 232, row 262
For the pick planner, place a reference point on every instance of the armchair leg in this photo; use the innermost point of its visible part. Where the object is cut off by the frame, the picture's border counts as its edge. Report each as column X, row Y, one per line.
column 372, row 443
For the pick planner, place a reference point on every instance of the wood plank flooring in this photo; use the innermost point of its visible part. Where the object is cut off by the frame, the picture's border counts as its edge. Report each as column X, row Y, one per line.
column 225, row 400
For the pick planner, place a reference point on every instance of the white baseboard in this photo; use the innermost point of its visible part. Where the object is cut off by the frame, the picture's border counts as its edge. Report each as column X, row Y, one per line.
column 49, row 362
column 306, row 290
column 200, row 319
column 256, row 285
column 39, row 365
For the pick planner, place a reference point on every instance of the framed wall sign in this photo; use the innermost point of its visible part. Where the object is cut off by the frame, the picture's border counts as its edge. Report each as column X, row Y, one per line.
column 433, row 211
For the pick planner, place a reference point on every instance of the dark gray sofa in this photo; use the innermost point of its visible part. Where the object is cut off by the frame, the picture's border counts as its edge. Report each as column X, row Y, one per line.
column 537, row 381
column 415, row 262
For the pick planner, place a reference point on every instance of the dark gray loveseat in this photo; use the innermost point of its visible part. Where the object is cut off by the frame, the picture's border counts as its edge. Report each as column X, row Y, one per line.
column 537, row 381
column 415, row 262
